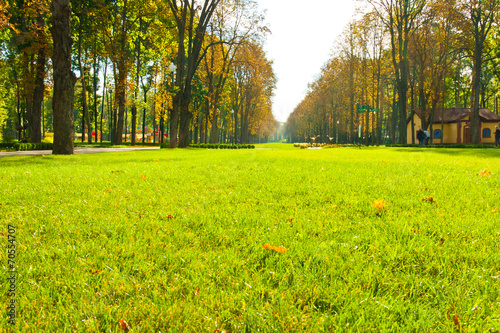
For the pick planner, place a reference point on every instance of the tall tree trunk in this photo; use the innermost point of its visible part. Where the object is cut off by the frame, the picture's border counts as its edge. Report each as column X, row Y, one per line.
column 185, row 120
column 193, row 21
column 104, row 94
column 136, row 92
column 177, row 99
column 235, row 134
column 82, row 78
column 94, row 80
column 36, row 126
column 28, row 92
column 476, row 84
column 122, row 78
column 144, row 113
column 64, row 78
column 352, row 137
column 214, row 131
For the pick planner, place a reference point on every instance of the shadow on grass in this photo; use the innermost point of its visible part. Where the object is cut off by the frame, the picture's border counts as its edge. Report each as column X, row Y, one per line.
column 474, row 152
column 24, row 160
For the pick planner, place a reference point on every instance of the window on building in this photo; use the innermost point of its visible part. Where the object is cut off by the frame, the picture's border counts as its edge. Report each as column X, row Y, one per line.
column 486, row 133
column 437, row 134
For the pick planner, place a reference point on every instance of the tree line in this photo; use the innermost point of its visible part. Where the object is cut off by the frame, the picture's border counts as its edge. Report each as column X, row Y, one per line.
column 398, row 56
column 184, row 71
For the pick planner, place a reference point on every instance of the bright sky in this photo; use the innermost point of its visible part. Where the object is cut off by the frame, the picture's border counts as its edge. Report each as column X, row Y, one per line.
column 303, row 35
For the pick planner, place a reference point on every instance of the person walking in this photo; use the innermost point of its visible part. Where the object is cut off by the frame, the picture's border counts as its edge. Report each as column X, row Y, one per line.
column 497, row 136
column 420, row 137
column 427, row 136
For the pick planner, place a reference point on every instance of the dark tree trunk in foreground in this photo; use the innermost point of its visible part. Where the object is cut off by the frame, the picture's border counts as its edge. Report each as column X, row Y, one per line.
column 64, row 78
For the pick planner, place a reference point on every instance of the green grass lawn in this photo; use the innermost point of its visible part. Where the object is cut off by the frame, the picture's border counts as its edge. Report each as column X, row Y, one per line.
column 172, row 240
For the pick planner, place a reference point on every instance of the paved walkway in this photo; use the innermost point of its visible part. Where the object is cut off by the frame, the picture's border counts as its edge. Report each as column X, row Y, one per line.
column 78, row 150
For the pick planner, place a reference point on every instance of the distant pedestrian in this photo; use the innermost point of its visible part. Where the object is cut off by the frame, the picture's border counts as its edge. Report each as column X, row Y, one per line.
column 427, row 136
column 497, row 136
column 420, row 137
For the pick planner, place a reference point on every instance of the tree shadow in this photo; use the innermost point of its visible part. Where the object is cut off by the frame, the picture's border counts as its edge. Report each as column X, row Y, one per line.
column 472, row 152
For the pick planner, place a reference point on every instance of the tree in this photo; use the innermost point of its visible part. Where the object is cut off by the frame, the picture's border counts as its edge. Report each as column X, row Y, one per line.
column 64, row 78
column 27, row 53
column 254, row 81
column 38, row 92
column 191, row 18
column 234, row 23
column 479, row 17
column 86, row 114
column 400, row 18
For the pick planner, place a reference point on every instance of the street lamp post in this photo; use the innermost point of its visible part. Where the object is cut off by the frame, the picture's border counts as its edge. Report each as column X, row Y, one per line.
column 337, row 132
column 171, row 69
column 232, row 118
column 111, row 129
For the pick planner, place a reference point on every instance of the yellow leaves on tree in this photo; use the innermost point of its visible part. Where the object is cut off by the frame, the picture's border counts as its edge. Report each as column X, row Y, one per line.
column 279, row 249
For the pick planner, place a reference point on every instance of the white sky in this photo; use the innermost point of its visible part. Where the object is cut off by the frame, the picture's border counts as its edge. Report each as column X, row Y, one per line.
column 303, row 35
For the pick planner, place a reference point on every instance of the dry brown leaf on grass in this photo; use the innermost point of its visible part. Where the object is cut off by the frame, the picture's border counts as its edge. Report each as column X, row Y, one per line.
column 484, row 173
column 279, row 249
column 124, row 326
column 456, row 321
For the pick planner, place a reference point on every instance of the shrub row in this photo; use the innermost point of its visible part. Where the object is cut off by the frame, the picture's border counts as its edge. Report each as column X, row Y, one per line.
column 33, row 146
column 442, row 146
column 221, row 146
column 307, row 145
column 7, row 145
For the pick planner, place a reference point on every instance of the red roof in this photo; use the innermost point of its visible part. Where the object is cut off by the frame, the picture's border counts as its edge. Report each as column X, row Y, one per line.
column 453, row 115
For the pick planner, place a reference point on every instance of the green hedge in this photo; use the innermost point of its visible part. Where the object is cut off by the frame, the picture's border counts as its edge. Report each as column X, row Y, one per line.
column 33, row 146
column 213, row 146
column 442, row 146
column 221, row 146
column 7, row 145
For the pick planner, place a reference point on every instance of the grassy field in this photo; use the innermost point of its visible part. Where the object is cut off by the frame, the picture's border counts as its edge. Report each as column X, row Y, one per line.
column 279, row 239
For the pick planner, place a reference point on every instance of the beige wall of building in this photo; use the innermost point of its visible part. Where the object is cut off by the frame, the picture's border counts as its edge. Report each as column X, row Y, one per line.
column 418, row 124
column 450, row 130
column 491, row 127
column 449, row 133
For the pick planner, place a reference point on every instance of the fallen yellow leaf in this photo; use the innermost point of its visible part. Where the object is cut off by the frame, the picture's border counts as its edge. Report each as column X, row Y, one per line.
column 379, row 203
column 279, row 249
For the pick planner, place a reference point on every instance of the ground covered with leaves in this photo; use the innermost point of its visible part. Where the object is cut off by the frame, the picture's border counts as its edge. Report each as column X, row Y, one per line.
column 269, row 240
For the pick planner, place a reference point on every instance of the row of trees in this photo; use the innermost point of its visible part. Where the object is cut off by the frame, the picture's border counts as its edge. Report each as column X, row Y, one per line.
column 192, row 69
column 401, row 55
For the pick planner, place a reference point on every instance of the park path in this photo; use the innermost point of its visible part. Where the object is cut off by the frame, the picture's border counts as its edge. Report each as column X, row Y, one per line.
column 78, row 150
